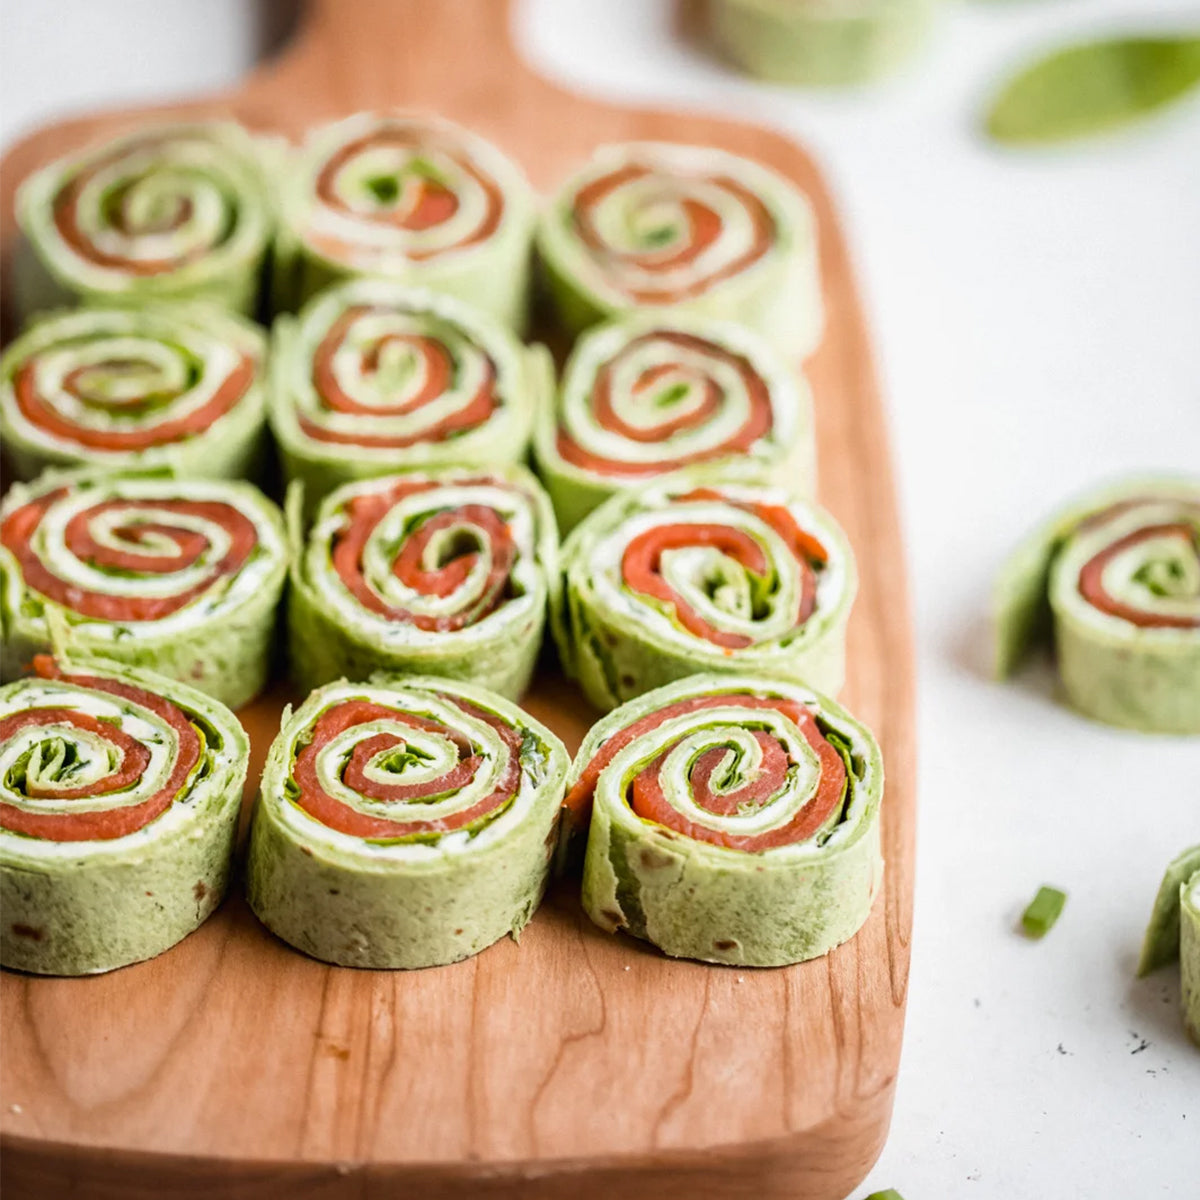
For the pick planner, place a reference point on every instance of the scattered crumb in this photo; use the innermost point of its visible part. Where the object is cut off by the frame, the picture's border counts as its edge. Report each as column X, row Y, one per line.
column 741, row 979
column 1142, row 1043
column 625, row 967
column 1063, row 1050
column 15, row 1108
column 978, row 1002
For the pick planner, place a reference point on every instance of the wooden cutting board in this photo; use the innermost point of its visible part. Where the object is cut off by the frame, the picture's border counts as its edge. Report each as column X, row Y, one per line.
column 576, row 1064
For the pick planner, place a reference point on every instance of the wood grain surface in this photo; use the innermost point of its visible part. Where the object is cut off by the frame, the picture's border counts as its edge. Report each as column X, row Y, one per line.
column 576, row 1064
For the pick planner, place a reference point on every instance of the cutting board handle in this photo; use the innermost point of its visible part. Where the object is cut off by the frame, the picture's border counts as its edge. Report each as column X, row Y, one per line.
column 364, row 48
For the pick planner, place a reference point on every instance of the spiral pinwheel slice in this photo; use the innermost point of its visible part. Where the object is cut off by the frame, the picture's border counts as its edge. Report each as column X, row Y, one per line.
column 700, row 572
column 119, row 801
column 1189, row 954
column 404, row 823
column 652, row 392
column 819, row 41
column 731, row 819
column 171, row 212
column 374, row 377
column 1115, row 580
column 411, row 198
column 179, row 385
column 1174, row 932
column 649, row 224
column 441, row 574
column 1161, row 943
column 179, row 576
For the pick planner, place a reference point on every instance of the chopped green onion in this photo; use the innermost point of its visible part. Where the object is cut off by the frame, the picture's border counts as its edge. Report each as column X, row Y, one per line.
column 886, row 1194
column 1044, row 909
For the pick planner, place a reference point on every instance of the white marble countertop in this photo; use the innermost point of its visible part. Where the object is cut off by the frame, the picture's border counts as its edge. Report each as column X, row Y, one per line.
column 1037, row 325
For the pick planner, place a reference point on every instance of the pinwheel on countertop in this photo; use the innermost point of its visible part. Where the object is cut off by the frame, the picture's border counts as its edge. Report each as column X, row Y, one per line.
column 1114, row 581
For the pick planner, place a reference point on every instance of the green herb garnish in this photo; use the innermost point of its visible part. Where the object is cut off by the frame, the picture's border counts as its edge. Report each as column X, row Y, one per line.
column 1044, row 909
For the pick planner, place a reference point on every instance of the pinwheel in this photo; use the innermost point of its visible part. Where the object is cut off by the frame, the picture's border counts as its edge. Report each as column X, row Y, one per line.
column 171, row 212
column 404, row 823
column 1189, row 954
column 652, row 224
column 697, row 572
column 178, row 576
column 411, row 198
column 179, row 385
column 119, row 801
column 729, row 818
column 819, row 41
column 1174, row 932
column 1115, row 578
column 374, row 377
column 445, row 574
column 651, row 392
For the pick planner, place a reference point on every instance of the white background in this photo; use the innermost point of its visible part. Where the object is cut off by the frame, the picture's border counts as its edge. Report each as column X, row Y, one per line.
column 1037, row 326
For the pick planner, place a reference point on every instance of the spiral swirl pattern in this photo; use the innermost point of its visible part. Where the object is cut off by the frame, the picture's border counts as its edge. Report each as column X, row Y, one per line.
column 387, row 377
column 439, row 555
column 119, row 802
column 142, row 555
column 173, row 384
column 394, row 187
column 407, row 557
column 429, row 806
column 444, row 574
column 714, row 806
column 402, row 377
column 1116, row 579
column 699, row 571
column 180, row 208
column 650, row 393
column 148, row 567
column 373, row 770
column 656, row 225
column 91, row 758
column 746, row 772
column 662, row 236
column 415, row 199
column 1143, row 563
